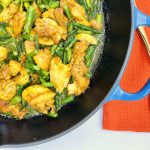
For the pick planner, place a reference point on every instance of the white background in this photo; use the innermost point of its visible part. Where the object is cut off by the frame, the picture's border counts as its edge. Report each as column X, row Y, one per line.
column 90, row 136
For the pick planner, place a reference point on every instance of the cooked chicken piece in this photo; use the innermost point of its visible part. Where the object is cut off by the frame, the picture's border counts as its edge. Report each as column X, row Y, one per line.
column 7, row 14
column 42, row 59
column 7, row 90
column 40, row 98
column 95, row 24
column 77, row 11
column 79, row 69
column 16, row 110
column 60, row 17
column 17, row 23
column 23, row 78
column 46, row 41
column 3, row 53
column 66, row 2
column 87, row 38
column 63, row 32
column 45, row 27
column 34, row 78
column 22, row 58
column 72, row 88
column 59, row 74
column 5, row 72
column 37, row 9
column 56, row 38
column 49, row 14
column 29, row 46
column 14, row 67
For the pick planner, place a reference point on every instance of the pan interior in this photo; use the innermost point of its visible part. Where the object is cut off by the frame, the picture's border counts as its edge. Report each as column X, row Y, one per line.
column 117, row 34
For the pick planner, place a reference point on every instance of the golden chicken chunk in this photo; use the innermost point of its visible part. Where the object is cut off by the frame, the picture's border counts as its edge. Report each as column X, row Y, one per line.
column 8, row 70
column 42, row 59
column 14, row 67
column 49, row 14
column 7, row 90
column 17, row 23
column 96, row 24
column 5, row 72
column 59, row 74
column 49, row 31
column 87, row 38
column 40, row 98
column 3, row 53
column 66, row 2
column 23, row 78
column 79, row 69
column 7, row 14
column 46, row 41
column 77, row 11
column 60, row 17
column 16, row 110
column 45, row 27
column 29, row 46
column 62, row 32
column 37, row 10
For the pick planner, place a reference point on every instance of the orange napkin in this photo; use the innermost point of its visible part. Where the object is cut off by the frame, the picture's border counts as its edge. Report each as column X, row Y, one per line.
column 132, row 116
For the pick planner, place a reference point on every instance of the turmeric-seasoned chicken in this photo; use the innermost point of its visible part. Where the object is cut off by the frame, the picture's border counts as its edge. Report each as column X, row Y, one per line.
column 14, row 67
column 3, row 53
column 59, row 74
column 60, row 17
column 22, row 78
column 29, row 46
column 17, row 23
column 42, row 59
column 79, row 69
column 40, row 98
column 8, row 13
column 14, row 110
column 7, row 90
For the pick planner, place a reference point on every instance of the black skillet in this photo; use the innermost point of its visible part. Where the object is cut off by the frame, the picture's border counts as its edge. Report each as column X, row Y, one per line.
column 119, row 25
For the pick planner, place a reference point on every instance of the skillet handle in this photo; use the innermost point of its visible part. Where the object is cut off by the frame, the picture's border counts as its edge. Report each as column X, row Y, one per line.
column 118, row 94
column 139, row 19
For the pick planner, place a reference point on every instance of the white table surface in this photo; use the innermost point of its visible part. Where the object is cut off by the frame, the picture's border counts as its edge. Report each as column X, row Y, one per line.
column 90, row 136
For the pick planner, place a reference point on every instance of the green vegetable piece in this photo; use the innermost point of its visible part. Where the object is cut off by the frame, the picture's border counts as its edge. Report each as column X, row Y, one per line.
column 48, row 84
column 88, row 74
column 99, row 18
column 67, row 100
column 89, row 53
column 67, row 12
column 74, row 40
column 5, row 3
column 53, row 114
column 30, row 18
column 69, row 55
column 26, row 5
column 83, row 27
column 54, row 4
column 70, row 27
column 65, row 58
column 15, row 100
column 89, row 3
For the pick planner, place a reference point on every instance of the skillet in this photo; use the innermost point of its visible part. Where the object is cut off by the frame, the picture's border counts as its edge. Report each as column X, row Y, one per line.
column 121, row 19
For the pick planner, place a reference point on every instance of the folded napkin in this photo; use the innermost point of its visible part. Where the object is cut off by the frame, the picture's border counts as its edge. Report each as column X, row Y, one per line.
column 132, row 116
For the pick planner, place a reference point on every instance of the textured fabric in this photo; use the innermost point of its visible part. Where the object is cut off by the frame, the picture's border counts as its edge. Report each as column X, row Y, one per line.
column 132, row 116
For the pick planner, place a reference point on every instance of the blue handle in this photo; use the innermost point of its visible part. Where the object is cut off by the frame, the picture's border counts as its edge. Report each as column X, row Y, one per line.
column 116, row 93
column 140, row 19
